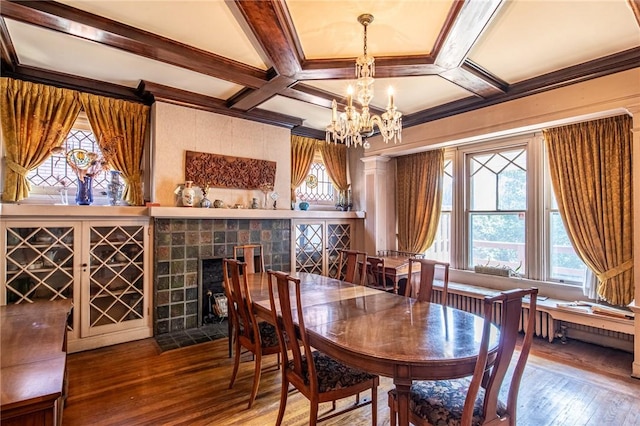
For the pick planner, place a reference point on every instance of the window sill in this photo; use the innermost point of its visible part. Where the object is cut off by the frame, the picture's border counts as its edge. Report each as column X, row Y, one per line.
column 546, row 288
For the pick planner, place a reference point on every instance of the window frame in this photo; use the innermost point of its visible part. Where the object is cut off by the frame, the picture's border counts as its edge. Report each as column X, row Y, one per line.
column 537, row 225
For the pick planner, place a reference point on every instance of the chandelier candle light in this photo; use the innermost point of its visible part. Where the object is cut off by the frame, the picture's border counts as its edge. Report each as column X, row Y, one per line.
column 351, row 127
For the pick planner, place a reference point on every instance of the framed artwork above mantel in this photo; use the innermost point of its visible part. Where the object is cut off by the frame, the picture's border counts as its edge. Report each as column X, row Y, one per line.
column 224, row 171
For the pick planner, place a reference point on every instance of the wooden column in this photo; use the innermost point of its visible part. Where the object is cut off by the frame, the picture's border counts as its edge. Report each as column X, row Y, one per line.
column 635, row 111
column 379, row 204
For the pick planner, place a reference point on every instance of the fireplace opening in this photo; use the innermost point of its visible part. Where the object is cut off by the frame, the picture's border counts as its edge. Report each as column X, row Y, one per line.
column 212, row 302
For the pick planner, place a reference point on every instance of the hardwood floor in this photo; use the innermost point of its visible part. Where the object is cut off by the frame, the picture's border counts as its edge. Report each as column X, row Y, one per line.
column 135, row 384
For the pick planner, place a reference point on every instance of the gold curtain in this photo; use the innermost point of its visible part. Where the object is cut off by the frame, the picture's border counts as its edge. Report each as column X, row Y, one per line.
column 335, row 161
column 302, row 151
column 590, row 166
column 120, row 128
column 35, row 119
column 419, row 198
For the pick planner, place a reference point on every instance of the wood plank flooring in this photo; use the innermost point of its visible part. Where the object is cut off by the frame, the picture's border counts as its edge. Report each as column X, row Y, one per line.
column 135, row 384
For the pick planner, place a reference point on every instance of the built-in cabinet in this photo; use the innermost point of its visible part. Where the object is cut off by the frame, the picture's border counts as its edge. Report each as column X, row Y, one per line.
column 317, row 244
column 103, row 266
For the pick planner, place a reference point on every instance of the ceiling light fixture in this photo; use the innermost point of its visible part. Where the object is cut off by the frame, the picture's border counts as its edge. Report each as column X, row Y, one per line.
column 351, row 127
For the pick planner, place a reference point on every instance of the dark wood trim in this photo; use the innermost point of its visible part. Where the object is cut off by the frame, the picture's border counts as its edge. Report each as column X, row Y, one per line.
column 81, row 84
column 635, row 6
column 608, row 65
column 215, row 105
column 266, row 20
column 470, row 22
column 62, row 18
column 308, row 132
column 7, row 51
column 480, row 84
column 249, row 99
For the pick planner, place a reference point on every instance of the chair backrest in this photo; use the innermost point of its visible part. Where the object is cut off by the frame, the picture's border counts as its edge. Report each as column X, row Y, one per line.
column 375, row 275
column 491, row 376
column 288, row 326
column 237, row 291
column 252, row 255
column 352, row 266
column 427, row 275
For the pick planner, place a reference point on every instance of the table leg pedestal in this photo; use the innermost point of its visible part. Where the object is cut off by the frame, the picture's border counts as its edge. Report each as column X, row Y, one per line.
column 402, row 394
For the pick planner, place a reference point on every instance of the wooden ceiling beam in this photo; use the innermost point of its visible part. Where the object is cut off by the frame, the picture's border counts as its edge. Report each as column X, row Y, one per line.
column 271, row 26
column 218, row 106
column 68, row 20
column 249, row 99
column 7, row 51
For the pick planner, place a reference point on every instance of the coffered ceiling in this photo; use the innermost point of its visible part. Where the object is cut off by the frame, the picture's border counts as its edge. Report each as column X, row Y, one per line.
column 283, row 61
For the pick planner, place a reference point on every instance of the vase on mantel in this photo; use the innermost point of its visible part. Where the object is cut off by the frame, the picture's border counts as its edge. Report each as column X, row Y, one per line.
column 188, row 194
column 114, row 188
column 84, row 194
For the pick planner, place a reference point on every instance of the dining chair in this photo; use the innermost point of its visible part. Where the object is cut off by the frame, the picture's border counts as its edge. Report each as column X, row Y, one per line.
column 252, row 255
column 474, row 400
column 259, row 338
column 322, row 380
column 423, row 289
column 375, row 275
column 352, row 266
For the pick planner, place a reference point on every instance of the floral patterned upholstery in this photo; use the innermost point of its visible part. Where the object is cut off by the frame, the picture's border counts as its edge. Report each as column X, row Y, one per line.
column 440, row 402
column 333, row 374
column 268, row 335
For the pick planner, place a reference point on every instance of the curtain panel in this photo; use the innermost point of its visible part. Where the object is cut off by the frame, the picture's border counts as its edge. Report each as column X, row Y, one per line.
column 302, row 152
column 590, row 167
column 335, row 161
column 35, row 119
column 419, row 197
column 120, row 128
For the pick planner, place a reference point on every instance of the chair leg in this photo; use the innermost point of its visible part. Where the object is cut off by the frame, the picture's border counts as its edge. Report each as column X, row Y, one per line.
column 374, row 404
column 230, row 334
column 284, row 393
column 393, row 414
column 313, row 413
column 256, row 377
column 236, row 363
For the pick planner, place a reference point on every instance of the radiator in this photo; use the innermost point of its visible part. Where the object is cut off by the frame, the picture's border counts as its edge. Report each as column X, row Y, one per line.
column 544, row 326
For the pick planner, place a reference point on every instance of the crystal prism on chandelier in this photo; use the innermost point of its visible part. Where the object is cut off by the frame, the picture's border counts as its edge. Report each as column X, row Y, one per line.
column 352, row 127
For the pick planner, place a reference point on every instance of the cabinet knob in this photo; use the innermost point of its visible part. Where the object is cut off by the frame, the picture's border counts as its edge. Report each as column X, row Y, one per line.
column 84, row 265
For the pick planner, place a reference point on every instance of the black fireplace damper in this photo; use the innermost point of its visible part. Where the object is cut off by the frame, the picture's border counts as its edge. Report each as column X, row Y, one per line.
column 211, row 300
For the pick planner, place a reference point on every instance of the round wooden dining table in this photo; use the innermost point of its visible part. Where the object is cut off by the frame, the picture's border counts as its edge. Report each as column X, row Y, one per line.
column 384, row 333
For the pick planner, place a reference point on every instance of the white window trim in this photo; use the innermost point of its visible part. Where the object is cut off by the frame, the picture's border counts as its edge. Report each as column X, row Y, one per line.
column 537, row 226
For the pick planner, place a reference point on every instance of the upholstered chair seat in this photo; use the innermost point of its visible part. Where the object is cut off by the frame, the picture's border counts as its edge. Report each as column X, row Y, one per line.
column 332, row 374
column 268, row 335
column 441, row 402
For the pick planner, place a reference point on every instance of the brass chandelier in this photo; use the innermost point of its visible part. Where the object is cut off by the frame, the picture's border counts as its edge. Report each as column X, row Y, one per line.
column 352, row 127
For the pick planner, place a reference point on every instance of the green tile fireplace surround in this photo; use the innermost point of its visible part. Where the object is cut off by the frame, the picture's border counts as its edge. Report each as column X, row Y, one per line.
column 179, row 246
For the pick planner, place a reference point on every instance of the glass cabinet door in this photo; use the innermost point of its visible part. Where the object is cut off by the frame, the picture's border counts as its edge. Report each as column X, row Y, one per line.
column 39, row 264
column 317, row 246
column 116, row 276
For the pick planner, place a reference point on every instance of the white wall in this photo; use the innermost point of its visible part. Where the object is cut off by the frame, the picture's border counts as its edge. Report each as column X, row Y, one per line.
column 176, row 129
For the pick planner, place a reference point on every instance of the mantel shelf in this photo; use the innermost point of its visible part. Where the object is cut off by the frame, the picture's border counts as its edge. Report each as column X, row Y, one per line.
column 52, row 211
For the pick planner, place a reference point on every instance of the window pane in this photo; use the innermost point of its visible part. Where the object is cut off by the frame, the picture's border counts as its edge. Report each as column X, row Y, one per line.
column 498, row 181
column 498, row 240
column 56, row 172
column 319, row 187
column 566, row 266
column 441, row 247
column 447, row 186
